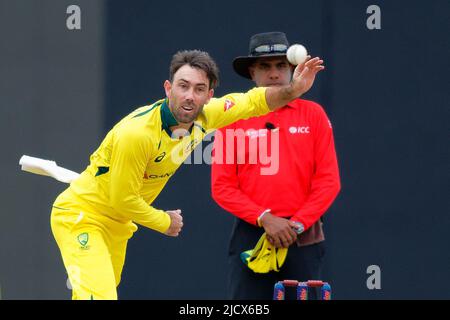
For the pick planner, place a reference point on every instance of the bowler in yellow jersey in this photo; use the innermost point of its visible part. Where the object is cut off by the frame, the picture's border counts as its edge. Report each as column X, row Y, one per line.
column 95, row 216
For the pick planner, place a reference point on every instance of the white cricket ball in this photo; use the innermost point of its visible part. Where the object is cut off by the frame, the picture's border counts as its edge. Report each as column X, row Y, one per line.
column 296, row 54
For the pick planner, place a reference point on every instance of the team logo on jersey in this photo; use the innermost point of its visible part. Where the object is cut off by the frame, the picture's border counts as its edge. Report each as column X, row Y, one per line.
column 228, row 105
column 160, row 157
column 83, row 239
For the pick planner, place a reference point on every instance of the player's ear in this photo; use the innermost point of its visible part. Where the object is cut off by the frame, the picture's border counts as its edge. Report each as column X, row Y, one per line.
column 167, row 87
column 251, row 71
column 210, row 94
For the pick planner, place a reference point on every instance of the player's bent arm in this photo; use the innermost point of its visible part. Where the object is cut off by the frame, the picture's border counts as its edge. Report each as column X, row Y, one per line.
column 130, row 152
column 220, row 112
column 223, row 111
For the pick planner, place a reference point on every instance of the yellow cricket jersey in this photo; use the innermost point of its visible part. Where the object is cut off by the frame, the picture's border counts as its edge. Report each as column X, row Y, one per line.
column 138, row 156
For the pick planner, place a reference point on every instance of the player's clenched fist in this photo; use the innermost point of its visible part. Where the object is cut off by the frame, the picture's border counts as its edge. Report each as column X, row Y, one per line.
column 176, row 223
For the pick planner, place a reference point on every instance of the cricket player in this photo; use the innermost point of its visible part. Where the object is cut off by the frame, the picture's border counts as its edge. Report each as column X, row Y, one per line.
column 93, row 219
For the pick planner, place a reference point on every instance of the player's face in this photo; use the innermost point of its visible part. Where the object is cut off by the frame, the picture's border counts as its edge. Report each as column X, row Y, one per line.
column 188, row 93
column 272, row 71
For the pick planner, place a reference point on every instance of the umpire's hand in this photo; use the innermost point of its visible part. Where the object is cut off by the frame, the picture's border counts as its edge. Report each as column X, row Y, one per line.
column 176, row 223
column 279, row 231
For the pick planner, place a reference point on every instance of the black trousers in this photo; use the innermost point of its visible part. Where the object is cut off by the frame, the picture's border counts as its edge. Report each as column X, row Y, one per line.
column 302, row 263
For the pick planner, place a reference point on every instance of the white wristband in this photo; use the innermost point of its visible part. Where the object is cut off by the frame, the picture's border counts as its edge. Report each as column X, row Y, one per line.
column 262, row 215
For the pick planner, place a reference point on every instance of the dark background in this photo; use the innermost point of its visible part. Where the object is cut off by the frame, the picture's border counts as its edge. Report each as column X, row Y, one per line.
column 386, row 92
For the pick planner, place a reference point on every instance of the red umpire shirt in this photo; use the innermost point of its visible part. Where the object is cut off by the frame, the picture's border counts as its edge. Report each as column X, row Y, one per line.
column 284, row 161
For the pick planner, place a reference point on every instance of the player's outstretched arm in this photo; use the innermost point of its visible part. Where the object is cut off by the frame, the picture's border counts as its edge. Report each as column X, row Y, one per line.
column 302, row 81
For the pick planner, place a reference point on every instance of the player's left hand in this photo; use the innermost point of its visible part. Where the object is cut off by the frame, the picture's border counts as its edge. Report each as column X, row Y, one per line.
column 305, row 73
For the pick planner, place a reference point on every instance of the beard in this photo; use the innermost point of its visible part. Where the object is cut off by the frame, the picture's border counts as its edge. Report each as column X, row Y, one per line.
column 187, row 115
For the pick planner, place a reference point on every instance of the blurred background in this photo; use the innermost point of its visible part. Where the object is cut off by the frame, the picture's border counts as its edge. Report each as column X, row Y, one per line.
column 385, row 90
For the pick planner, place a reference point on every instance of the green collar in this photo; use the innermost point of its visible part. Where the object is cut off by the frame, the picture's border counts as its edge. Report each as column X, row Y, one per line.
column 169, row 120
column 167, row 117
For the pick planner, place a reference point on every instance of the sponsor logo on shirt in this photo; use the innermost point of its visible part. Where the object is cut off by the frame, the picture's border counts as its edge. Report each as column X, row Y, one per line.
column 160, row 157
column 299, row 130
column 160, row 176
column 228, row 105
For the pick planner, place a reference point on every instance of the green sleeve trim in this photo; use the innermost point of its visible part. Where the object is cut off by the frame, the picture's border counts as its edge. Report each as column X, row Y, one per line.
column 60, row 208
column 156, row 104
column 101, row 170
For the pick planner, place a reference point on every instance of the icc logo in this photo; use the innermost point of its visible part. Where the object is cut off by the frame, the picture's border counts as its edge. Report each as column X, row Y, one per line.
column 295, row 130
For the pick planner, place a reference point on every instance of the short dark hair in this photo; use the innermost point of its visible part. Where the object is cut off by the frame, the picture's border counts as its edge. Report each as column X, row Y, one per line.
column 196, row 59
